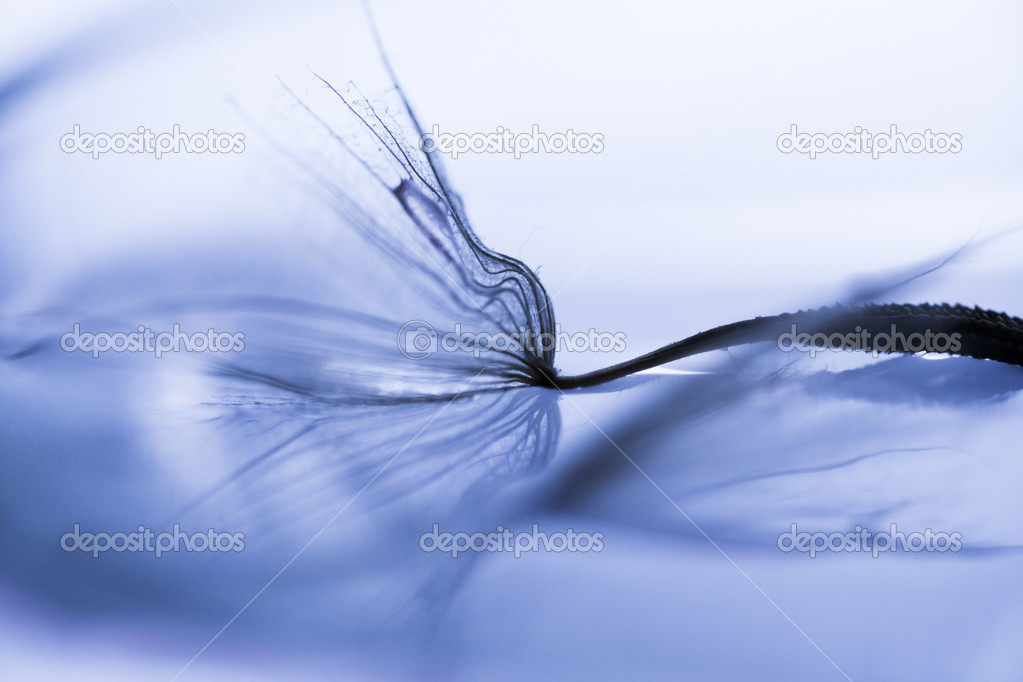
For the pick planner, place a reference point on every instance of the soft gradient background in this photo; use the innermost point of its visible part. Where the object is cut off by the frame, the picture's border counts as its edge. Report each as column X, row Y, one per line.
column 690, row 218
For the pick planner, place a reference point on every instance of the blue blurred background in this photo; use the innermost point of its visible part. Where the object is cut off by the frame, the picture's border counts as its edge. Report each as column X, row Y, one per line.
column 690, row 217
